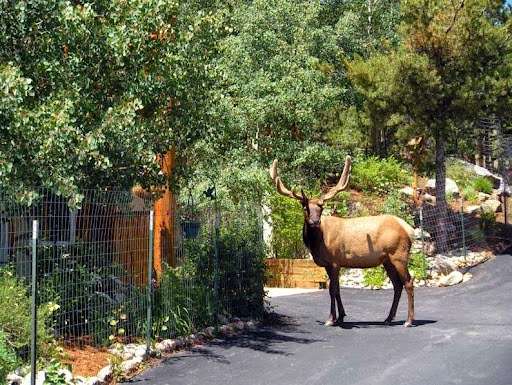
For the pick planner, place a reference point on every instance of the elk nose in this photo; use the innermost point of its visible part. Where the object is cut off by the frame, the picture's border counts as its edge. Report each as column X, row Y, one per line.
column 315, row 223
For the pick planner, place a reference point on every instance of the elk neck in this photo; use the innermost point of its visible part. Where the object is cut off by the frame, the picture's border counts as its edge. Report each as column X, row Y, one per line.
column 312, row 236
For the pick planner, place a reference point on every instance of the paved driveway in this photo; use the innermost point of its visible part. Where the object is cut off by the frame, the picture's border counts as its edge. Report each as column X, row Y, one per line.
column 464, row 336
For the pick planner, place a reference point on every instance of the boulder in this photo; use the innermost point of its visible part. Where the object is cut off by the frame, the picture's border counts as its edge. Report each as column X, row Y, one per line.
column 407, row 191
column 491, row 205
column 482, row 197
column 418, row 234
column 443, row 265
column 453, row 278
column 40, row 378
column 451, row 187
column 14, row 379
column 105, row 374
column 128, row 366
column 471, row 209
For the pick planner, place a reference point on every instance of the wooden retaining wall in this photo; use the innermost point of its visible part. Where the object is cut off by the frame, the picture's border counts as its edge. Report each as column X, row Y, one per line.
column 303, row 273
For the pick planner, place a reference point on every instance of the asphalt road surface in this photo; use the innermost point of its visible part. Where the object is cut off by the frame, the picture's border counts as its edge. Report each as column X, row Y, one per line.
column 463, row 336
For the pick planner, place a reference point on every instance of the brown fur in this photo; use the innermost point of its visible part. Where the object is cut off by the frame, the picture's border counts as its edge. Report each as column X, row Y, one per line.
column 355, row 243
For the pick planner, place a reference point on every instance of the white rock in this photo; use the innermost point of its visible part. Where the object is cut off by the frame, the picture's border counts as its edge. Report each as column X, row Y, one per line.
column 128, row 366
column 491, row 205
column 251, row 325
column 467, row 277
column 209, row 332
column 140, row 351
column 442, row 264
column 453, row 278
column 14, row 379
column 471, row 209
column 68, row 377
column 79, row 380
column 93, row 381
column 429, row 198
column 407, row 191
column 418, row 234
column 40, row 378
column 482, row 197
column 451, row 186
column 105, row 373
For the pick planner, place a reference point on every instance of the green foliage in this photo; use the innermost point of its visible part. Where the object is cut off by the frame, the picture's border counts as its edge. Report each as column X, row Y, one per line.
column 91, row 88
column 459, row 173
column 379, row 176
column 8, row 359
column 396, row 205
column 54, row 375
column 469, row 194
column 482, row 184
column 487, row 222
column 96, row 295
column 15, row 323
column 418, row 265
column 287, row 222
column 374, row 277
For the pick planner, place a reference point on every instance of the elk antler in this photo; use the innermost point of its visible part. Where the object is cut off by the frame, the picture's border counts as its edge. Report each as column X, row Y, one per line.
column 279, row 184
column 342, row 183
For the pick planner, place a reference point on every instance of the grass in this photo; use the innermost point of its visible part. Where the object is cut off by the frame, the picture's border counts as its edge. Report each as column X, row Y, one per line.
column 374, row 277
column 418, row 265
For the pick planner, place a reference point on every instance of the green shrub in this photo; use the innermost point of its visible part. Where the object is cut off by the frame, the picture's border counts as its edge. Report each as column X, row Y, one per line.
column 418, row 265
column 287, row 221
column 459, row 173
column 15, row 322
column 91, row 289
column 374, row 276
column 379, row 176
column 487, row 221
column 396, row 205
column 482, row 184
column 8, row 359
column 469, row 194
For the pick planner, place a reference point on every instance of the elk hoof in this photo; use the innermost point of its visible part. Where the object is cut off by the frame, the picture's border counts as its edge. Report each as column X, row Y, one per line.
column 330, row 322
column 407, row 324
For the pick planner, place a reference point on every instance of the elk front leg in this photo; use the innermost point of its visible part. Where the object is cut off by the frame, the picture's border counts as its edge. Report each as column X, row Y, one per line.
column 334, row 293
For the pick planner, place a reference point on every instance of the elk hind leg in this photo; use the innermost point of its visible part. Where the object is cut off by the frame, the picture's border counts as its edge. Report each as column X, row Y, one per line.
column 405, row 277
column 397, row 288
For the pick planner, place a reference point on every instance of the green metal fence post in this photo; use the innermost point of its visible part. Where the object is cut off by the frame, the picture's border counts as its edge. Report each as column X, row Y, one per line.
column 33, row 329
column 150, row 284
column 216, row 262
column 421, row 230
column 462, row 227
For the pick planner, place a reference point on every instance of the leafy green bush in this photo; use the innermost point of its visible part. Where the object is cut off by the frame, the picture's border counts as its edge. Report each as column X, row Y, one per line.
column 487, row 222
column 374, row 276
column 91, row 289
column 418, row 265
column 8, row 359
column 469, row 194
column 15, row 318
column 375, row 175
column 482, row 184
column 459, row 173
column 396, row 205
column 287, row 221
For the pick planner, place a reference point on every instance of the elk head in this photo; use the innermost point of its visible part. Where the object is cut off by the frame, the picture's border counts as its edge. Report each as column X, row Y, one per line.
column 312, row 207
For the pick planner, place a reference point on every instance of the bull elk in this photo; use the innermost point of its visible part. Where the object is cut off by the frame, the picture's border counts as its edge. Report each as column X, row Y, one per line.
column 354, row 243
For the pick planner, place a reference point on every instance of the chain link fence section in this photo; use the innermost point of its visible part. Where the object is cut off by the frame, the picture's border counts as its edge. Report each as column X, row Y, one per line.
column 94, row 263
column 466, row 231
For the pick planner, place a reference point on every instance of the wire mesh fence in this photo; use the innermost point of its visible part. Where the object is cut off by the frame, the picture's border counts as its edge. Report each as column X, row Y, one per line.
column 459, row 229
column 94, row 265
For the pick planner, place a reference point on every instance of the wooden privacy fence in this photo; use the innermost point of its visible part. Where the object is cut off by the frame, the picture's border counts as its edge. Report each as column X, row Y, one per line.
column 303, row 273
